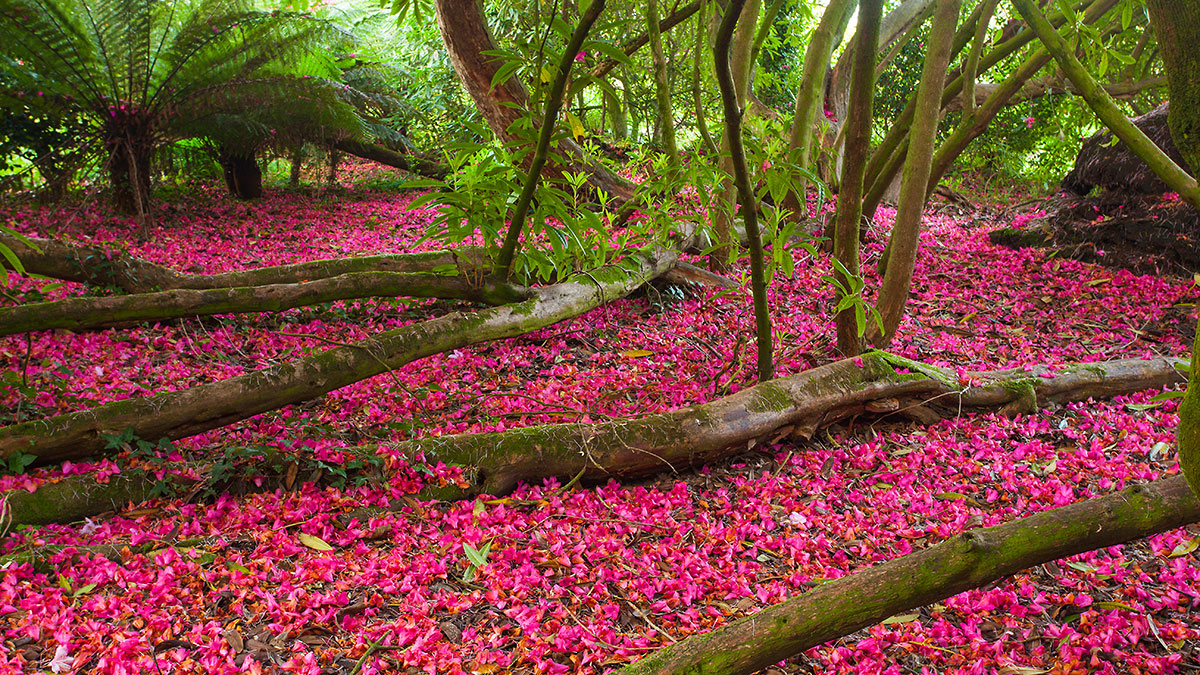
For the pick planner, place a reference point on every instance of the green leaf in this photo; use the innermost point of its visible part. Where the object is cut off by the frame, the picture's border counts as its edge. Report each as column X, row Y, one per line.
column 611, row 51
column 1185, row 547
column 313, row 542
column 900, row 618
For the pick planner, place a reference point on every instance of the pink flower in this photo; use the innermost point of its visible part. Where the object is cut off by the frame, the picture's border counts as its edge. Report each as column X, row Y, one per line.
column 1029, row 122
column 62, row 660
column 581, row 56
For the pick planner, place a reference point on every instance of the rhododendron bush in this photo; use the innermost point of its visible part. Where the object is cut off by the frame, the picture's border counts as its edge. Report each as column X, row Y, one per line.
column 326, row 573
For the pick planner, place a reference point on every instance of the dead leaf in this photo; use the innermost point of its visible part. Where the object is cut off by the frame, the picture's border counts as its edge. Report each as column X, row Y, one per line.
column 636, row 353
column 234, row 639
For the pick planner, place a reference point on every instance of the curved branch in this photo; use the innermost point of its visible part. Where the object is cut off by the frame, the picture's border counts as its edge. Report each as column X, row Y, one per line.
column 204, row 407
column 111, row 267
column 88, row 313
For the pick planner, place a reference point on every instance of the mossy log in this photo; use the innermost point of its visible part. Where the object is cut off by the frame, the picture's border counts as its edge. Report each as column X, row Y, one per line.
column 963, row 562
column 210, row 406
column 75, row 497
column 110, row 267
column 797, row 405
column 87, row 313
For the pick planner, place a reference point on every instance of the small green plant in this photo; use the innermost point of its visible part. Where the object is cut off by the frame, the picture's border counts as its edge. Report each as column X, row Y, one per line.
column 129, row 441
column 10, row 256
column 476, row 558
column 17, row 462
column 851, row 297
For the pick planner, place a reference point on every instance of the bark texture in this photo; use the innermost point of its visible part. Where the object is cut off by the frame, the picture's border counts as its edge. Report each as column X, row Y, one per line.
column 389, row 157
column 858, row 142
column 1116, row 167
column 795, row 406
column 902, row 245
column 210, row 406
column 243, row 177
column 809, row 97
column 89, row 313
column 111, row 267
column 631, row 46
column 1106, row 110
column 1177, row 25
column 966, row 561
column 741, row 178
column 467, row 37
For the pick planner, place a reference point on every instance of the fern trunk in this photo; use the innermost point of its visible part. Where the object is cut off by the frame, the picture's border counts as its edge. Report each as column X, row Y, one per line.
column 129, row 172
column 242, row 174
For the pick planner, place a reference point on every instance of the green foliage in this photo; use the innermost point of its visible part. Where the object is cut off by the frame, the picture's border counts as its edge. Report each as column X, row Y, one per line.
column 137, row 73
column 563, row 233
column 17, row 462
column 10, row 256
column 849, row 289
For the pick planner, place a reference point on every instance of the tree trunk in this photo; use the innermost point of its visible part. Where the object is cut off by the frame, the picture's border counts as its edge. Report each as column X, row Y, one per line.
column 467, row 37
column 741, row 67
column 1178, row 30
column 902, row 245
column 210, row 406
column 297, row 162
column 809, row 97
column 630, row 47
column 837, row 88
column 106, row 267
column 706, row 138
column 747, row 200
column 1115, row 167
column 888, row 157
column 554, row 101
column 662, row 84
column 1177, row 25
column 961, row 563
column 796, row 406
column 129, row 171
column 378, row 153
column 243, row 177
column 89, row 313
column 849, row 211
column 1107, row 111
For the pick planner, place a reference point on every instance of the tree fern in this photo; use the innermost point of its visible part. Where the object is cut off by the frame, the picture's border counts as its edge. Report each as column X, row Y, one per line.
column 145, row 72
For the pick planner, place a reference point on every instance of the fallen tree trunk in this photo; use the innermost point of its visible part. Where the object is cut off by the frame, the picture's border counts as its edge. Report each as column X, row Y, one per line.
column 797, row 406
column 389, row 157
column 87, row 313
column 110, row 267
column 75, row 497
column 191, row 411
column 966, row 561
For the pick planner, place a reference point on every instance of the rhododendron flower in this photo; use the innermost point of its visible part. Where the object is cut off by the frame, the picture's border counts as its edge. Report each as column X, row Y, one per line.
column 581, row 56
column 62, row 660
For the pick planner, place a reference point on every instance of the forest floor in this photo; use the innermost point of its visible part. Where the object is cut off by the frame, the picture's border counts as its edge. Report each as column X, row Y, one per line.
column 585, row 580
